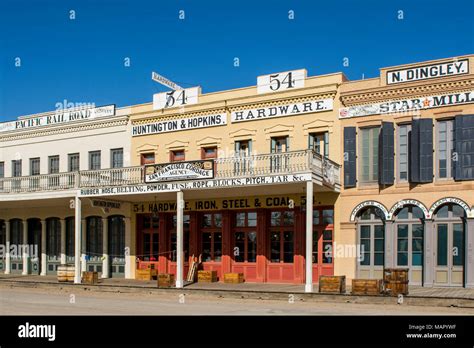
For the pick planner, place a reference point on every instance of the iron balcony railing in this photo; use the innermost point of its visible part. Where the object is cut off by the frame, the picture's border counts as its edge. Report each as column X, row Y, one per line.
column 292, row 162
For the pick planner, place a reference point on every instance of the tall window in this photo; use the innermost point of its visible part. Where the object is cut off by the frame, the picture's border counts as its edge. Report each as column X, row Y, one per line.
column 73, row 162
column 403, row 135
column 53, row 164
column 173, row 240
column 279, row 145
column 445, row 142
column 94, row 238
column 34, row 166
column 53, row 233
column 319, row 142
column 94, row 160
column 243, row 148
column 2, row 174
column 410, row 230
column 70, row 238
column 177, row 155
column 282, row 236
column 147, row 158
column 116, row 237
column 245, row 237
column 211, row 237
column 16, row 168
column 116, row 158
column 369, row 154
column 371, row 237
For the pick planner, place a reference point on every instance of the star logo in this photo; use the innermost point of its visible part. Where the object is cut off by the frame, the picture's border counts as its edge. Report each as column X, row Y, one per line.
column 426, row 102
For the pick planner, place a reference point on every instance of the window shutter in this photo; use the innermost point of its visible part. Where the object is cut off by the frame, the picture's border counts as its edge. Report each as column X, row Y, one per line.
column 464, row 147
column 349, row 157
column 273, row 146
column 386, row 160
column 326, row 144
column 421, row 151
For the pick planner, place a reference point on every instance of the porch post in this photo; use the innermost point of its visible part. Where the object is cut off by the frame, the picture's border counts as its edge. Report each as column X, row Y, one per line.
column 128, row 246
column 469, row 271
column 25, row 247
column 84, row 245
column 389, row 244
column 43, row 248
column 8, row 265
column 309, row 237
column 77, row 240
column 179, row 239
column 105, row 248
column 428, row 265
column 62, row 223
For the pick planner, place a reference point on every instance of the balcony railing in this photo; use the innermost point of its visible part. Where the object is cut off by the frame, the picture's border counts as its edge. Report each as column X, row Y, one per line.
column 292, row 162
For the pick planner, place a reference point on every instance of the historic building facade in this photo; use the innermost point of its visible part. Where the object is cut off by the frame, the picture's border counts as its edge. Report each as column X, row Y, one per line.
column 388, row 164
column 408, row 197
column 44, row 159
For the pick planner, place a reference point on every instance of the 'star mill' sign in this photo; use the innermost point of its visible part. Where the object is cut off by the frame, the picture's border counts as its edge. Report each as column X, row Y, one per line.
column 191, row 170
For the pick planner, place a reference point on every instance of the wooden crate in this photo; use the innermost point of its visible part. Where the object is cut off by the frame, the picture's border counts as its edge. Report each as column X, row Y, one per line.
column 62, row 273
column 332, row 284
column 395, row 288
column 207, row 276
column 233, row 278
column 366, row 286
column 90, row 277
column 145, row 274
column 395, row 274
column 165, row 280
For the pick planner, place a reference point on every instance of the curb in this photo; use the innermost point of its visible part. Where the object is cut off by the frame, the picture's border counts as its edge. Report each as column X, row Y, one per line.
column 252, row 294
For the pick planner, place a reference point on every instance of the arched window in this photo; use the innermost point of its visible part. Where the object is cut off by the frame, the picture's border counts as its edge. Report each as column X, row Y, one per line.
column 116, row 237
column 371, row 233
column 450, row 227
column 70, row 238
column 53, row 239
column 94, row 248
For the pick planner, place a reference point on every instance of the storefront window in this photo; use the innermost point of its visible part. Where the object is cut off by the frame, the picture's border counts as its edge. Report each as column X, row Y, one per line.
column 53, row 229
column 211, row 237
column 94, row 238
column 282, row 236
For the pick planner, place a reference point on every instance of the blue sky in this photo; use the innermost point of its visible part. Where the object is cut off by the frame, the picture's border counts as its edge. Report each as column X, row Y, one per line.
column 82, row 60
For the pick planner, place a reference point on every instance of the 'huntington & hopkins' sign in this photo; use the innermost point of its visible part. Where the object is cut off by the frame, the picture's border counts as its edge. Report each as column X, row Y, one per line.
column 404, row 105
column 191, row 170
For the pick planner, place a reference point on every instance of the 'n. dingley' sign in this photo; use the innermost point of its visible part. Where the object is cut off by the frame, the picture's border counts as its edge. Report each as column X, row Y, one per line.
column 191, row 170
column 405, row 105
column 431, row 71
column 282, row 110
column 58, row 117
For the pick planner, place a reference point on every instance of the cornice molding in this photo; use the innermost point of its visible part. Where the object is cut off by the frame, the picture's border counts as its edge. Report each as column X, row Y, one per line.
column 400, row 92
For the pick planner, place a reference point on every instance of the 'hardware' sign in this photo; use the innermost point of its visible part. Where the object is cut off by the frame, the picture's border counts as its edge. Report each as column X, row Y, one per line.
column 191, row 170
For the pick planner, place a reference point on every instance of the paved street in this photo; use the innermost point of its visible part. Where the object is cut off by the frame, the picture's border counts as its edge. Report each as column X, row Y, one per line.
column 24, row 301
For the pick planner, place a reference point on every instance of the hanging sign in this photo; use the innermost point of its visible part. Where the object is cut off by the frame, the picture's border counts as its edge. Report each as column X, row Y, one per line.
column 164, row 81
column 431, row 71
column 99, row 203
column 405, row 105
column 190, row 170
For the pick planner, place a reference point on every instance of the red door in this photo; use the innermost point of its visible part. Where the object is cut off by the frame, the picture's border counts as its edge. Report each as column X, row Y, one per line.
column 148, row 241
column 323, row 263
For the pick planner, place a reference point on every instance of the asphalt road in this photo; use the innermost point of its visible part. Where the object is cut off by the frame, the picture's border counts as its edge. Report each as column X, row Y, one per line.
column 24, row 301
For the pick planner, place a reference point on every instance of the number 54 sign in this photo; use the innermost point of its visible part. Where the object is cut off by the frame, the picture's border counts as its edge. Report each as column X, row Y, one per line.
column 177, row 98
column 281, row 81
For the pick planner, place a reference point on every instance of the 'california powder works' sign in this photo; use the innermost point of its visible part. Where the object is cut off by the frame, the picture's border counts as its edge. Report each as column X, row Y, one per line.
column 405, row 105
column 191, row 170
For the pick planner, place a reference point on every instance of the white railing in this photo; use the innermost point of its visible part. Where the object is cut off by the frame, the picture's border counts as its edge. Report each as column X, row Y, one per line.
column 292, row 162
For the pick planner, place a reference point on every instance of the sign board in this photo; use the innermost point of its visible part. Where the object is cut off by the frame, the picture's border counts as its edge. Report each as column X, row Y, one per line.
column 282, row 110
column 180, row 124
column 431, row 71
column 176, row 171
column 195, row 185
column 58, row 117
column 281, row 81
column 105, row 204
column 406, row 105
column 178, row 98
column 164, row 81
